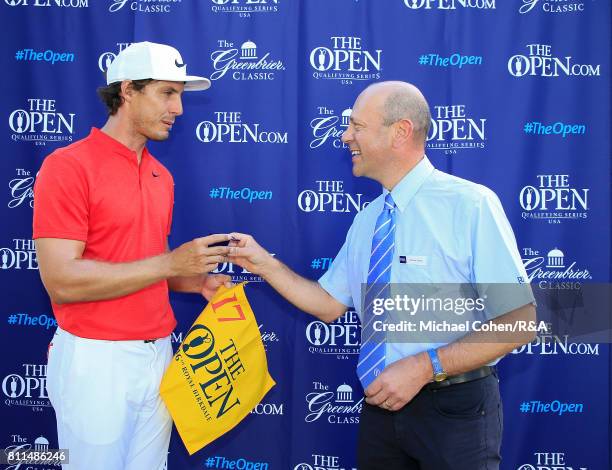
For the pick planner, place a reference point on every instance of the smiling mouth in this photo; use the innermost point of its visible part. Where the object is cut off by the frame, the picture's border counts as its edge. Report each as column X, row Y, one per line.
column 355, row 153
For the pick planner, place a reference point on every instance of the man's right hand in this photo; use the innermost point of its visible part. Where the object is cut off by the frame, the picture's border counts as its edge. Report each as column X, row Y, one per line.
column 246, row 252
column 198, row 257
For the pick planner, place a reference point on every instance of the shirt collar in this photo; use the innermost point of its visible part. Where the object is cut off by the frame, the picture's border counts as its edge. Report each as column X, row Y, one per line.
column 404, row 191
column 110, row 144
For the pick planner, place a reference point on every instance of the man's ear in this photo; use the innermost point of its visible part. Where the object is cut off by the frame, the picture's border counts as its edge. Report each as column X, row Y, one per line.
column 404, row 131
column 127, row 90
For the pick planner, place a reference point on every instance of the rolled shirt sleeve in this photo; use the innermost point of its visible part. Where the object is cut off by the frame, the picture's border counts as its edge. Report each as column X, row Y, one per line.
column 497, row 269
column 336, row 280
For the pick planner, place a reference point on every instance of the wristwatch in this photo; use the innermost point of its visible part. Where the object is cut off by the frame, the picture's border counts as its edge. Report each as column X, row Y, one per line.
column 439, row 374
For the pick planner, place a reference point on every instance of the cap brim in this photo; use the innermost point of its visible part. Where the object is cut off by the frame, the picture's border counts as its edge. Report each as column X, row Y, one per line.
column 193, row 83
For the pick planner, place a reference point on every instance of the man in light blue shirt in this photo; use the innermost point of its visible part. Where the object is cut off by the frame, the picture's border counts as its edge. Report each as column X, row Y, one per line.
column 449, row 231
column 431, row 404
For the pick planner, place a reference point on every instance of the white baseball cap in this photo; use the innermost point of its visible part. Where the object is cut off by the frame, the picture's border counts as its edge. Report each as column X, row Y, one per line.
column 143, row 60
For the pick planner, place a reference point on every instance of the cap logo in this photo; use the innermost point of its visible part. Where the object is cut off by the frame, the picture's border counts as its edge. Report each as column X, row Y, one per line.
column 178, row 64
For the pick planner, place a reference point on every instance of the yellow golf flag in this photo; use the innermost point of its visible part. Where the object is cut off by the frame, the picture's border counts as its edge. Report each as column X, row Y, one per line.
column 220, row 371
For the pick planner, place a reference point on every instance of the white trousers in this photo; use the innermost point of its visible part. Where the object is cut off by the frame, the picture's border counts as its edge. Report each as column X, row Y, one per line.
column 107, row 405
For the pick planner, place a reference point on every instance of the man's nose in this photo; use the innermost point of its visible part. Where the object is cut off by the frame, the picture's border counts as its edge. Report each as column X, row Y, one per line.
column 347, row 135
column 176, row 107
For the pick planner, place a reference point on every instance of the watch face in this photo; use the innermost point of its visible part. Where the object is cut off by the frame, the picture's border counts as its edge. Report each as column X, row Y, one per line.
column 440, row 376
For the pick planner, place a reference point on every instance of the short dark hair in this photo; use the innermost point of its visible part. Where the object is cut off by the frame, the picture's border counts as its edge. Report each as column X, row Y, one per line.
column 111, row 94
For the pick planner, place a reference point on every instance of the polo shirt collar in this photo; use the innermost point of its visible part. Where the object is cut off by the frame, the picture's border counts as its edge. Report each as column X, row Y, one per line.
column 404, row 191
column 112, row 145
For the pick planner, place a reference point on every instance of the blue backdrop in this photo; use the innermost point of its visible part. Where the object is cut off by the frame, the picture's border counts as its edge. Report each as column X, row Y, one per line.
column 520, row 99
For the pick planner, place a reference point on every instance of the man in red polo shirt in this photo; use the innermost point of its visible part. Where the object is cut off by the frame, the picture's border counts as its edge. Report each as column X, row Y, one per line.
column 102, row 215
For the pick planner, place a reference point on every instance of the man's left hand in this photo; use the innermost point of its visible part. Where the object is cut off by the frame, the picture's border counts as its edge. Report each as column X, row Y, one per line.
column 212, row 282
column 397, row 384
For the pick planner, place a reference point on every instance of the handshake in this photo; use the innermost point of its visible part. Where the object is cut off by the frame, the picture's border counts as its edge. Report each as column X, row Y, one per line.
column 202, row 255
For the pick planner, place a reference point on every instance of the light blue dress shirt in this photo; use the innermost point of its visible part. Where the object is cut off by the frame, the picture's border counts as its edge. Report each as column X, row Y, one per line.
column 449, row 230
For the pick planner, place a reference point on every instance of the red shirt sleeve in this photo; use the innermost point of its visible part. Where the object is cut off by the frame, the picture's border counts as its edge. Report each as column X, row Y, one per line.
column 169, row 228
column 61, row 202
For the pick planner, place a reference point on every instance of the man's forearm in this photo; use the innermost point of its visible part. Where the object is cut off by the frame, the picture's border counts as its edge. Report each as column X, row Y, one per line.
column 480, row 348
column 83, row 280
column 305, row 294
column 468, row 353
column 70, row 278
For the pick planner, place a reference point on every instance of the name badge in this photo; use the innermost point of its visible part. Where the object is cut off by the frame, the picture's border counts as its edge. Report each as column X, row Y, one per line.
column 414, row 260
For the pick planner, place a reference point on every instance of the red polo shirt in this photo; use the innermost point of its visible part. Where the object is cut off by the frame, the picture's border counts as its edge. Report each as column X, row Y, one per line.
column 95, row 191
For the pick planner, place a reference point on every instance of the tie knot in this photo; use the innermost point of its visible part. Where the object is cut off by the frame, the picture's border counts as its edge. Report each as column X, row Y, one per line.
column 389, row 202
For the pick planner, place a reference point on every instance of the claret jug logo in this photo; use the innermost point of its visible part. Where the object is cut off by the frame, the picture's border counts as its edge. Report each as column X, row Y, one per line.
column 228, row 126
column 540, row 62
column 329, row 196
column 554, row 200
column 28, row 388
column 40, row 121
column 449, row 4
column 21, row 255
column 215, row 367
column 340, row 338
column 345, row 59
column 48, row 3
column 106, row 58
column 452, row 129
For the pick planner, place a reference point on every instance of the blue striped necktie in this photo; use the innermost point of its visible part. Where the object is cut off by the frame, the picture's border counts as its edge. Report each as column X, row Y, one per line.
column 372, row 353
